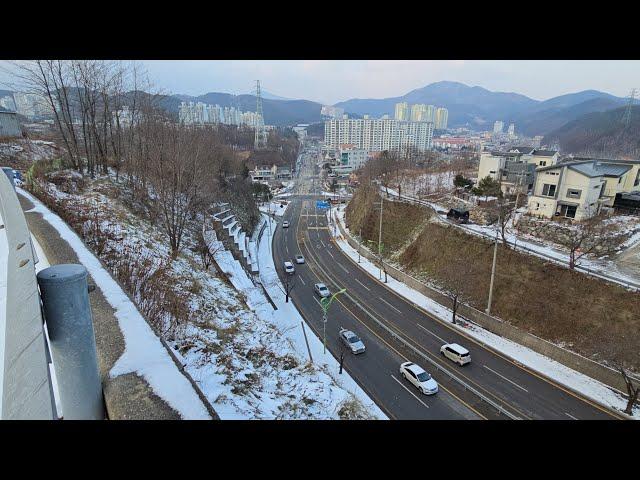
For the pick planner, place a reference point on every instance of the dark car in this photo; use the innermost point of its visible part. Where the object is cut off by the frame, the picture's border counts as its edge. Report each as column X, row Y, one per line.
column 459, row 215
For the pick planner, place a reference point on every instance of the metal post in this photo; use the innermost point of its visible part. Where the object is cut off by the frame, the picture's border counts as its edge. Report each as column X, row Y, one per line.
column 324, row 332
column 380, row 236
column 493, row 275
column 359, row 244
column 67, row 311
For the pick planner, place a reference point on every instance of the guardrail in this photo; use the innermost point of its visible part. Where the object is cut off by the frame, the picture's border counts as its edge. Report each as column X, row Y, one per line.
column 27, row 390
column 635, row 286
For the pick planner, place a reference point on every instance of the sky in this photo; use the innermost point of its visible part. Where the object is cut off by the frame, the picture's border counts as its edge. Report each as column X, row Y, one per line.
column 331, row 81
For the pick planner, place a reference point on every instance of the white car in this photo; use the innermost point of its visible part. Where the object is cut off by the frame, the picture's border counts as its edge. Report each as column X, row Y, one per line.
column 299, row 259
column 419, row 378
column 457, row 353
column 289, row 268
column 285, row 224
column 352, row 341
column 322, row 290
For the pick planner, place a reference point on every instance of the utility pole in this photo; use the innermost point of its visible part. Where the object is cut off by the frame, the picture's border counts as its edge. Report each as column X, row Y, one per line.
column 380, row 236
column 495, row 252
column 359, row 244
column 626, row 118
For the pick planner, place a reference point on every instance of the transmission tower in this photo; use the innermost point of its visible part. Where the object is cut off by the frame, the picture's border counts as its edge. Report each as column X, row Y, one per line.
column 261, row 133
column 626, row 118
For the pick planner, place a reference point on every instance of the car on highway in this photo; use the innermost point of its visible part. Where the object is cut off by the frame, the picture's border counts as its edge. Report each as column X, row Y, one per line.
column 322, row 290
column 289, row 268
column 352, row 341
column 456, row 353
column 299, row 259
column 285, row 224
column 419, row 378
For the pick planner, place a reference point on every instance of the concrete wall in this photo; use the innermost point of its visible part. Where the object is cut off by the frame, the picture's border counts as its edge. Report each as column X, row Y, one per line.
column 570, row 359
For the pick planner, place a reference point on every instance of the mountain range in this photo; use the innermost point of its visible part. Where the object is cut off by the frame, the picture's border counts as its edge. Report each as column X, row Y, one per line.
column 478, row 108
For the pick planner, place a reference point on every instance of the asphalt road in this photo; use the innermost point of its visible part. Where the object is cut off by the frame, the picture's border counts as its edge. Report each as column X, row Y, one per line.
column 394, row 330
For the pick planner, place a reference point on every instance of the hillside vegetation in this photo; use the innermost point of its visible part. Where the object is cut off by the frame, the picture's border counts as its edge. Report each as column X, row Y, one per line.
column 597, row 319
column 600, row 134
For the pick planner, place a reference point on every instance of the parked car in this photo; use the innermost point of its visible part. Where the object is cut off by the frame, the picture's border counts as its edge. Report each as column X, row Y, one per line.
column 285, row 224
column 457, row 353
column 299, row 259
column 419, row 378
column 289, row 268
column 321, row 290
column 352, row 341
column 459, row 215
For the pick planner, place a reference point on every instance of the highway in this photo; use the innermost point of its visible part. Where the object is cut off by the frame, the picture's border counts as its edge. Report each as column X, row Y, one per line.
column 394, row 330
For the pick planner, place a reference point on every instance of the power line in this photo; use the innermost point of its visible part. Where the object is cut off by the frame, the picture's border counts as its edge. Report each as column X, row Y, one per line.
column 626, row 118
column 261, row 133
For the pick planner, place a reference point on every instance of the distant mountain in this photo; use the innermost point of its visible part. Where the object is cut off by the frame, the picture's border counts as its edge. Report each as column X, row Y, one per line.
column 553, row 113
column 468, row 106
column 600, row 134
column 271, row 96
column 477, row 107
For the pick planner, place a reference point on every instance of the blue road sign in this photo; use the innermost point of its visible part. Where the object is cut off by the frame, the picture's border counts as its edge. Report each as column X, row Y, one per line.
column 322, row 205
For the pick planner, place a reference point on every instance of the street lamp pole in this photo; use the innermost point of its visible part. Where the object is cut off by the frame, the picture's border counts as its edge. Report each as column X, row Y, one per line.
column 325, row 303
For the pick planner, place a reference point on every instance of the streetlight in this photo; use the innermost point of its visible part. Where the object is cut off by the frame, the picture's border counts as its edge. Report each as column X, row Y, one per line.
column 325, row 303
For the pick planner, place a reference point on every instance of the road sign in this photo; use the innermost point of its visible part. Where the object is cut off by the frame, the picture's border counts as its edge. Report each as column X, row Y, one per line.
column 322, row 205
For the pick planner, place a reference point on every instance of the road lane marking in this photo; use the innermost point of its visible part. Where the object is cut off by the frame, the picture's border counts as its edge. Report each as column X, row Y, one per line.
column 439, row 338
column 331, row 254
column 405, row 387
column 302, row 280
column 287, row 248
column 382, row 299
column 569, row 415
column 323, row 244
column 362, row 284
column 505, row 378
column 342, row 266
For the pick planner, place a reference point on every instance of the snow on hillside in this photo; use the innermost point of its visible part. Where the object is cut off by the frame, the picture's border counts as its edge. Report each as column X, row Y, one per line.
column 243, row 363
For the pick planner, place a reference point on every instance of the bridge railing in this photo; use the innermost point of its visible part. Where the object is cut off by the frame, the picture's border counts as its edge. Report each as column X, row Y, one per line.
column 26, row 389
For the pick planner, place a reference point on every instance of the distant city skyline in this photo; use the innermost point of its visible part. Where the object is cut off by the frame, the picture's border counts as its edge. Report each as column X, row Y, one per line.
column 332, row 81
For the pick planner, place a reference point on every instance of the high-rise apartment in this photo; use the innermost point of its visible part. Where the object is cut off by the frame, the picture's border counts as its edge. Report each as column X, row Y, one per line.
column 402, row 111
column 375, row 135
column 442, row 117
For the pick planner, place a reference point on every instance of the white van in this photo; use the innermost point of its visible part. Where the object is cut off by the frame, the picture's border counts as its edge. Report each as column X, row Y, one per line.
column 455, row 352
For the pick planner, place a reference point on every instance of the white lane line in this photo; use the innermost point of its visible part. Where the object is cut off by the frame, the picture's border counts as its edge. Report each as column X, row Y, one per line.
column 505, row 378
column 362, row 284
column 322, row 243
column 390, row 305
column 439, row 338
column 414, row 395
column 317, row 301
column 331, row 254
column 287, row 248
column 569, row 415
column 302, row 280
column 342, row 267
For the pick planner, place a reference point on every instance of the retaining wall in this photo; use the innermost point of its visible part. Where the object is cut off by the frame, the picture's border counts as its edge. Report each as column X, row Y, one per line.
column 577, row 362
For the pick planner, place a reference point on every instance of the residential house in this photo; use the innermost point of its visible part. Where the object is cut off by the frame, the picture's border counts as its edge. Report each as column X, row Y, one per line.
column 273, row 174
column 579, row 189
column 517, row 167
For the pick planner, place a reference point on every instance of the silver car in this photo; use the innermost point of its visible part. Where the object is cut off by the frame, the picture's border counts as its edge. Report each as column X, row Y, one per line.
column 352, row 341
column 322, row 290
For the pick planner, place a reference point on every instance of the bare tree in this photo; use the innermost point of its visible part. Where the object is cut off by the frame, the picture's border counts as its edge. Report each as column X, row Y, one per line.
column 289, row 285
column 632, row 391
column 586, row 237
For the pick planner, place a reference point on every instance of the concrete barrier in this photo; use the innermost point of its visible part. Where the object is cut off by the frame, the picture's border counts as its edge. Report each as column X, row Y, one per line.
column 573, row 360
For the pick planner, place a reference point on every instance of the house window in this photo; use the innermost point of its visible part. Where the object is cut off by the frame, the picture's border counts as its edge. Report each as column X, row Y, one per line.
column 574, row 193
column 637, row 181
column 571, row 211
column 548, row 190
column 543, row 163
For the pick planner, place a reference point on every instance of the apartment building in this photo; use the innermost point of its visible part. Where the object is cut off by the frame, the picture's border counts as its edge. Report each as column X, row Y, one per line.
column 581, row 188
column 515, row 169
column 402, row 111
column 375, row 135
column 199, row 113
column 442, row 118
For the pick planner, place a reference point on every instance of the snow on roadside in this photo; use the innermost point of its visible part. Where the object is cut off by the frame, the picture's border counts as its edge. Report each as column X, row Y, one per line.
column 289, row 322
column 144, row 354
column 558, row 372
column 274, row 208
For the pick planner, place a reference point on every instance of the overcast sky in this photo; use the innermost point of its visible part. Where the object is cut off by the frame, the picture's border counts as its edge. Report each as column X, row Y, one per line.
column 331, row 81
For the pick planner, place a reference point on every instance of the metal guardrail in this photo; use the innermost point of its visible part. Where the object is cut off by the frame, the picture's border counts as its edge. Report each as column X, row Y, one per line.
column 27, row 390
column 595, row 273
